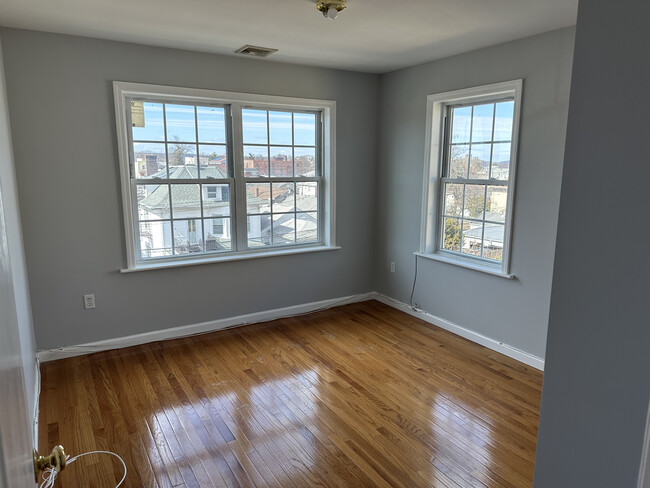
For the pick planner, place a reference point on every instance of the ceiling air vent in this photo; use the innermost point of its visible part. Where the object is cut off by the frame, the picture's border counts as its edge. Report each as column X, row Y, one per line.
column 257, row 51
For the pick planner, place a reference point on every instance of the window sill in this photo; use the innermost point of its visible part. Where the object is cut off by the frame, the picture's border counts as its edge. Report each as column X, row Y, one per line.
column 467, row 264
column 225, row 258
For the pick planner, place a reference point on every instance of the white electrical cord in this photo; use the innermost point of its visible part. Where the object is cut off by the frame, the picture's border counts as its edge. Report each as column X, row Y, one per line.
column 50, row 474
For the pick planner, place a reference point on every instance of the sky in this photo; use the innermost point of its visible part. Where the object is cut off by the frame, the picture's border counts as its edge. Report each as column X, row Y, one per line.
column 181, row 126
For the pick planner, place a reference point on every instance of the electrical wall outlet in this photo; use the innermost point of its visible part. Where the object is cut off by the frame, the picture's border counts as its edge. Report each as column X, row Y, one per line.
column 89, row 301
column 392, row 266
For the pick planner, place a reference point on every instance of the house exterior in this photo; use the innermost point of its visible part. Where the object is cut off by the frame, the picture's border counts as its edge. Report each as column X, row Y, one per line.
column 174, row 224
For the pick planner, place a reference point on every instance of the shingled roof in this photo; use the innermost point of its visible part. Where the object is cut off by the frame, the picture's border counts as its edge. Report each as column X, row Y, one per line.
column 493, row 232
column 186, row 196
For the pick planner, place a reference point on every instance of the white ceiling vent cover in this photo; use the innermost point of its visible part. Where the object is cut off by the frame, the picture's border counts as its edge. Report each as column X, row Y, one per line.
column 257, row 51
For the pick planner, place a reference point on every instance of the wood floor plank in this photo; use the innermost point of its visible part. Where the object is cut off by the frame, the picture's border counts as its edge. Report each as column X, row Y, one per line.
column 355, row 396
column 386, row 393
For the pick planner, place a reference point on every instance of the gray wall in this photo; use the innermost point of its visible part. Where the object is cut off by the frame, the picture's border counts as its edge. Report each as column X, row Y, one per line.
column 60, row 101
column 597, row 380
column 16, row 251
column 514, row 312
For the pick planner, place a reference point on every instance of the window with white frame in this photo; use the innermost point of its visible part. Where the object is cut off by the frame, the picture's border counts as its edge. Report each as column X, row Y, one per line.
column 470, row 175
column 210, row 175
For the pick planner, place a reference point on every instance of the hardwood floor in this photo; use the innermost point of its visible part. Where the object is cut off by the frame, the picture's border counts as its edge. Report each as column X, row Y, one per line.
column 360, row 395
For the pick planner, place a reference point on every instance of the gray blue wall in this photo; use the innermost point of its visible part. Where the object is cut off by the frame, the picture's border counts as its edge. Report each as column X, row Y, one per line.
column 511, row 311
column 597, row 381
column 62, row 116
column 60, row 101
column 16, row 251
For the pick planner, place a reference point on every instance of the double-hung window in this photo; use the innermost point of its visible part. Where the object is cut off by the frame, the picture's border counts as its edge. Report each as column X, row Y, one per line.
column 209, row 175
column 470, row 175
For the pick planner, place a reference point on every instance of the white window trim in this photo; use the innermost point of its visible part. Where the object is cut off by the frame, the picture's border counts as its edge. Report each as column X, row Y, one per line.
column 430, row 227
column 123, row 90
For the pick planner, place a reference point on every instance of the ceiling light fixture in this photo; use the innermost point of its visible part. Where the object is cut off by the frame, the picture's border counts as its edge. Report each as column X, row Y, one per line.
column 330, row 8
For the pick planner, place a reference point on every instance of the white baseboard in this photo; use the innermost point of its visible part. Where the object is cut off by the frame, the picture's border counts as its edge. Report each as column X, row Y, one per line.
column 215, row 325
column 513, row 352
column 201, row 328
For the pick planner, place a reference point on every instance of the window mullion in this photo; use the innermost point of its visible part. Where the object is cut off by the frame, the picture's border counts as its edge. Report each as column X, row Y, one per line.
column 462, row 220
column 198, row 178
column 268, row 155
column 169, row 186
column 484, row 214
column 239, row 220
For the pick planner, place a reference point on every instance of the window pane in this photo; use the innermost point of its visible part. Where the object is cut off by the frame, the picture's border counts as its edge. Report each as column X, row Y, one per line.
column 180, row 123
column 153, row 202
column 304, row 129
column 150, row 160
column 307, row 227
column 283, row 197
column 154, row 128
column 182, row 161
column 216, row 200
column 155, row 239
column 258, row 198
column 472, row 232
column 259, row 230
column 482, row 123
column 186, row 201
column 451, row 234
column 280, row 128
column 496, row 203
column 461, row 120
column 458, row 161
column 503, row 121
column 281, row 161
column 212, row 124
column 188, row 236
column 254, row 126
column 501, row 161
column 214, row 161
column 454, row 199
column 474, row 201
column 217, row 235
column 307, row 196
column 305, row 161
column 284, row 229
column 256, row 161
column 493, row 241
column 479, row 167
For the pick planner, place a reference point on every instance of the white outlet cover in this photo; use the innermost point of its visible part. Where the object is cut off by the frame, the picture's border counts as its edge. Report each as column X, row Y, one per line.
column 89, row 301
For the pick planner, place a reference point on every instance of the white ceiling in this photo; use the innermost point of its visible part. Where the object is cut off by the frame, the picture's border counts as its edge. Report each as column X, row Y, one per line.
column 369, row 35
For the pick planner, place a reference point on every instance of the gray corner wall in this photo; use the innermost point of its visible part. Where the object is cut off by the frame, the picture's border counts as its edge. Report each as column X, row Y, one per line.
column 16, row 251
column 62, row 116
column 597, row 380
column 511, row 311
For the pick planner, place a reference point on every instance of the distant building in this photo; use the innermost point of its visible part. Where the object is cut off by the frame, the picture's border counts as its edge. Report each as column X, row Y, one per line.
column 491, row 237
